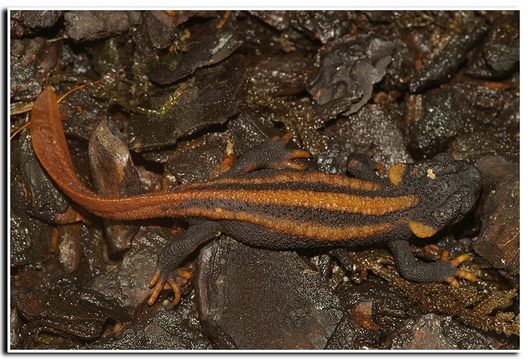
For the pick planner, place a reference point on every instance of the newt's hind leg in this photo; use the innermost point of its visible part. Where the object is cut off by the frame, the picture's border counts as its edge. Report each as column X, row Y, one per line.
column 167, row 273
column 269, row 155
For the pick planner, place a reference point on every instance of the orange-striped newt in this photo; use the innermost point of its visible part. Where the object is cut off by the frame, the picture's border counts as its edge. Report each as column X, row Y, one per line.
column 266, row 199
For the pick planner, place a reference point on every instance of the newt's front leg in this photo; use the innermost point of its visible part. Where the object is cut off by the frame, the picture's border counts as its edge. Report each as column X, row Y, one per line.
column 167, row 272
column 416, row 270
column 270, row 155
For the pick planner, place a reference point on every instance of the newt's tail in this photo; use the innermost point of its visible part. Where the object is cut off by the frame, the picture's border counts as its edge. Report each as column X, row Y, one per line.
column 51, row 148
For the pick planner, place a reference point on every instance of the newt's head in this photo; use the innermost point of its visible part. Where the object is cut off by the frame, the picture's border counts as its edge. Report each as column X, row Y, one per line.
column 447, row 188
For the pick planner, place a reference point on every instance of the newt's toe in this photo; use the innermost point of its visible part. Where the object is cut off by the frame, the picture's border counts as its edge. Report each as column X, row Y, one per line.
column 285, row 138
column 457, row 261
column 159, row 283
column 452, row 281
column 459, row 273
column 464, row 274
column 176, row 291
column 287, row 161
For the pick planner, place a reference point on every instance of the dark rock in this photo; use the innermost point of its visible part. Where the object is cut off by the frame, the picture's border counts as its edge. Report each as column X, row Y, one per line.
column 498, row 241
column 248, row 129
column 375, row 311
column 401, row 70
column 126, row 284
column 323, row 26
column 206, row 46
column 161, row 330
column 89, row 25
column 54, row 305
column 433, row 332
column 28, row 22
column 43, row 200
column 440, row 116
column 443, row 64
column 32, row 61
column 28, row 237
column 70, row 251
column 213, row 97
column 349, row 69
column 487, row 142
column 81, row 113
column 115, row 176
column 198, row 159
column 499, row 55
column 253, row 298
column 16, row 327
column 285, row 75
column 161, row 27
column 425, row 333
column 373, row 131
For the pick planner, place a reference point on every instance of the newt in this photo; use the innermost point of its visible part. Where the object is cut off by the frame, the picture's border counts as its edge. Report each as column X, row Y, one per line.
column 267, row 199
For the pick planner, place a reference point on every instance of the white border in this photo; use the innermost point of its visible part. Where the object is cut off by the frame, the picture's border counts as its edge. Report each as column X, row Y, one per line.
column 310, row 4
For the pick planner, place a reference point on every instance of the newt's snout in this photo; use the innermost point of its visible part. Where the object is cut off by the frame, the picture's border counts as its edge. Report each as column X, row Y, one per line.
column 448, row 188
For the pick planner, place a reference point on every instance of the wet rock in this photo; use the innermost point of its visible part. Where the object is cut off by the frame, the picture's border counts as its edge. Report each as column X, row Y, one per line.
column 109, row 57
column 323, row 26
column 440, row 116
column 498, row 241
column 161, row 330
column 344, row 336
column 28, row 239
column 494, row 141
column 94, row 249
column 54, row 305
column 206, row 46
column 199, row 159
column 425, row 333
column 373, row 131
column 400, row 71
column 349, row 69
column 278, row 19
column 70, row 251
column 32, row 61
column 16, row 330
column 434, row 332
column 252, row 298
column 29, row 236
column 43, row 200
column 211, row 98
column 284, row 75
column 81, row 113
column 499, row 55
column 443, row 64
column 92, row 25
column 126, row 284
column 161, row 27
column 28, row 22
column 248, row 129
column 374, row 310
column 115, row 176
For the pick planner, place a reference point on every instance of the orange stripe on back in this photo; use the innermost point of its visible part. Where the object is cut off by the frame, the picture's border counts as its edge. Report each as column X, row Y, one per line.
column 301, row 177
column 298, row 229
